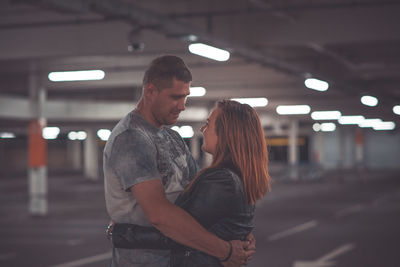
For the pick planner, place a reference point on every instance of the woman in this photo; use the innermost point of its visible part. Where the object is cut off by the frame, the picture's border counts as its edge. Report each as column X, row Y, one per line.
column 222, row 196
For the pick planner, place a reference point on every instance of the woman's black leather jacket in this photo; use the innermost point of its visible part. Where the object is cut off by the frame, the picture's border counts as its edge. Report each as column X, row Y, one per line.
column 216, row 201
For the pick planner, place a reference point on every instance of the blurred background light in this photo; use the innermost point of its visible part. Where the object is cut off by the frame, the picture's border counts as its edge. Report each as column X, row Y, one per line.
column 50, row 132
column 328, row 127
column 82, row 75
column 197, row 91
column 316, row 84
column 293, row 109
column 253, row 102
column 326, row 115
column 209, row 52
column 385, row 126
column 103, row 134
column 185, row 131
column 396, row 109
column 80, row 135
column 369, row 100
column 7, row 135
column 351, row 119
column 369, row 123
column 316, row 127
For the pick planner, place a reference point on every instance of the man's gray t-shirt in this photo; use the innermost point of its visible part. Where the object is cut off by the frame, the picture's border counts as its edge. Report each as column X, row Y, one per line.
column 137, row 152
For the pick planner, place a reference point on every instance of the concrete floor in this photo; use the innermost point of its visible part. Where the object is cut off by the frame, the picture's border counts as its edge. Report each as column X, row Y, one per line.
column 344, row 220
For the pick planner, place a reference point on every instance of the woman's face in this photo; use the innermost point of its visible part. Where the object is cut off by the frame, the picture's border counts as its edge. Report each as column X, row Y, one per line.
column 208, row 130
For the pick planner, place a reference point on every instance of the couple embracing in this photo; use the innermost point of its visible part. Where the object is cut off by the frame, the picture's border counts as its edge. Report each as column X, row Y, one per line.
column 167, row 212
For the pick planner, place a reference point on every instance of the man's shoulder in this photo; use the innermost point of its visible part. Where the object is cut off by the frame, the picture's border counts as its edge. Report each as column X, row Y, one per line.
column 172, row 132
column 128, row 131
column 175, row 136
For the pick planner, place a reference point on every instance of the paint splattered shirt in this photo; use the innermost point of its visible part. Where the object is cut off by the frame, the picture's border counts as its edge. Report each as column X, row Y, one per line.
column 137, row 152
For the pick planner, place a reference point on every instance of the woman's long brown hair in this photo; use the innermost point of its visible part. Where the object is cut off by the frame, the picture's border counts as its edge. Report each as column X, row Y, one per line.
column 241, row 143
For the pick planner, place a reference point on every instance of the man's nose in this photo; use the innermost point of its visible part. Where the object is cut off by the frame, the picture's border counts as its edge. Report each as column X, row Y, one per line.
column 181, row 105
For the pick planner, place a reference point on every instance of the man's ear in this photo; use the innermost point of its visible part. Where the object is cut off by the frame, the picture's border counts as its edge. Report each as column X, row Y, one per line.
column 150, row 91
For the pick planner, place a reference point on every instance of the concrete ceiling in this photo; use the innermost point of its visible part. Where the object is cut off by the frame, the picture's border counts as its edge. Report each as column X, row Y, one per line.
column 354, row 45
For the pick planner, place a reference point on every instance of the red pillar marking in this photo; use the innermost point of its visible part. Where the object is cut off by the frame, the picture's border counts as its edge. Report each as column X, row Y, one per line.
column 37, row 145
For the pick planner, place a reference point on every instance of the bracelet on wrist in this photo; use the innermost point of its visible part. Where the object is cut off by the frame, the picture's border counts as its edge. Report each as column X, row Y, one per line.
column 109, row 231
column 229, row 254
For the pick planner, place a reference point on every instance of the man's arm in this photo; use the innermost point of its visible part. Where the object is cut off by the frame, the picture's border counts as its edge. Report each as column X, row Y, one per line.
column 179, row 225
column 174, row 222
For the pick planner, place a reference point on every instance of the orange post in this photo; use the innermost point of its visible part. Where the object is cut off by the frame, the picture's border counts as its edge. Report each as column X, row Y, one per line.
column 37, row 145
column 359, row 137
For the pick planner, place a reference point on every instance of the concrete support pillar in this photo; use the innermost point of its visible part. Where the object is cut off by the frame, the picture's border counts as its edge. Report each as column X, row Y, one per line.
column 74, row 153
column 317, row 148
column 37, row 184
column 277, row 129
column 359, row 150
column 195, row 147
column 91, row 163
column 346, row 159
column 37, row 150
column 293, row 148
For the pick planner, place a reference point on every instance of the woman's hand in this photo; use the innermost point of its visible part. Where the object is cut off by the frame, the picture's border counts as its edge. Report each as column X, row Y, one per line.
column 240, row 254
column 109, row 229
column 251, row 246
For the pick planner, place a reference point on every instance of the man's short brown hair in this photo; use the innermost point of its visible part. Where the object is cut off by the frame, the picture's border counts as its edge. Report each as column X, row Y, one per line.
column 163, row 69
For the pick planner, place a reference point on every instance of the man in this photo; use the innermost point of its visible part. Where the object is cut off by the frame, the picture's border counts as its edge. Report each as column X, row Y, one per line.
column 147, row 165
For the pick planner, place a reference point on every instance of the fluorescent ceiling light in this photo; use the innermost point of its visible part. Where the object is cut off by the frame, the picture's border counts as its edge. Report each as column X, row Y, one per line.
column 316, row 84
column 351, row 119
column 184, row 131
column 326, row 115
column 316, row 127
column 396, row 109
column 369, row 123
column 82, row 75
column 197, row 91
column 6, row 135
column 209, row 52
column 103, row 134
column 254, row 102
column 328, row 127
column 385, row 125
column 293, row 109
column 50, row 132
column 80, row 135
column 369, row 100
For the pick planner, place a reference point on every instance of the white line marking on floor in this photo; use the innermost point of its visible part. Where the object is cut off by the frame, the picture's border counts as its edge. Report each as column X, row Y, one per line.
column 85, row 261
column 325, row 260
column 339, row 251
column 349, row 210
column 294, row 230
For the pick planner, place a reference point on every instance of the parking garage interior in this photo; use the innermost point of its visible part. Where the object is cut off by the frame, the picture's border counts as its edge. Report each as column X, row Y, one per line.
column 322, row 75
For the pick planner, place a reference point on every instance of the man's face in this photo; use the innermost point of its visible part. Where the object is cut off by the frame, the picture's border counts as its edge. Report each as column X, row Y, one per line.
column 168, row 103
